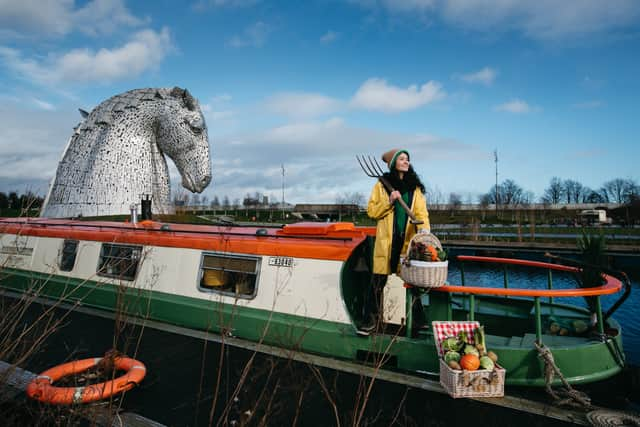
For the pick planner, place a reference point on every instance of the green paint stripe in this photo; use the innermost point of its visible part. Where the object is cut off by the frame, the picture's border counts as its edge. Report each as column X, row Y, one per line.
column 581, row 364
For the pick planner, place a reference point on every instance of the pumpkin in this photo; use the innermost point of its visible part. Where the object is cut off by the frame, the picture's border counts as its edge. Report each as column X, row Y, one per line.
column 433, row 252
column 470, row 362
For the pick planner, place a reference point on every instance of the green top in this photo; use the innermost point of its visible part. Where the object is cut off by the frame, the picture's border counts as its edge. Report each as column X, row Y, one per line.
column 401, row 214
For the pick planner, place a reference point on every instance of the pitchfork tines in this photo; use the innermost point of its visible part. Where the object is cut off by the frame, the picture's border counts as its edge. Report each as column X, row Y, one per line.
column 370, row 166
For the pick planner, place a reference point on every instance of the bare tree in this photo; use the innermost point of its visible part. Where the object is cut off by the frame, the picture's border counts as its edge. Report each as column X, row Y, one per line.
column 510, row 193
column 620, row 190
column 573, row 191
column 554, row 192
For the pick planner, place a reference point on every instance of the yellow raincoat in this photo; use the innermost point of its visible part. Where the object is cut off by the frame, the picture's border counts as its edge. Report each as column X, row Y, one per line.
column 381, row 210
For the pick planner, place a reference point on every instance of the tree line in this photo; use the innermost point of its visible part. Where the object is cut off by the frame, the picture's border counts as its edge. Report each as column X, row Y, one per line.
column 16, row 201
column 559, row 191
column 507, row 193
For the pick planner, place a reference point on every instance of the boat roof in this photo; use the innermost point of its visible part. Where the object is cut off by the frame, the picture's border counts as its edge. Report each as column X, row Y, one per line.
column 330, row 241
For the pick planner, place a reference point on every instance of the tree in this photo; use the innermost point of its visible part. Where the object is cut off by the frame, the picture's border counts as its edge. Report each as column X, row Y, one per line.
column 615, row 189
column 455, row 200
column 225, row 202
column 354, row 198
column 4, row 201
column 554, row 193
column 573, row 191
column 509, row 194
column 215, row 203
column 14, row 200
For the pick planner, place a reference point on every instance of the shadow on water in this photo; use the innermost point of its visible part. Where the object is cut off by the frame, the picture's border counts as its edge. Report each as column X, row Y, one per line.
column 185, row 376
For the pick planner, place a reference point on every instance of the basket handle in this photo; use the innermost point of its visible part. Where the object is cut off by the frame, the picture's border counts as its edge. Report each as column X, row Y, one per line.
column 432, row 240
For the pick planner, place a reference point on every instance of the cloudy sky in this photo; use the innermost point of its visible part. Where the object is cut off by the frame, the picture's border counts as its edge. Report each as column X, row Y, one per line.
column 552, row 86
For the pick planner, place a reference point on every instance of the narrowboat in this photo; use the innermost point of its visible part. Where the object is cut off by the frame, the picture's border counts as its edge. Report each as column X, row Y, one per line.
column 300, row 286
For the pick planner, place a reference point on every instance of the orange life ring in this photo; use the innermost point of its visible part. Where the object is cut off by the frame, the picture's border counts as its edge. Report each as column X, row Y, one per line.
column 41, row 387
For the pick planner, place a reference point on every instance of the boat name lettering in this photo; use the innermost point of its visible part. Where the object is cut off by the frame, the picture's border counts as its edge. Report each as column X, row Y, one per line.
column 14, row 250
column 281, row 261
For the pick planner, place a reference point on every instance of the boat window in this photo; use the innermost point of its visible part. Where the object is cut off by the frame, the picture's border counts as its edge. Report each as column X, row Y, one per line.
column 119, row 261
column 68, row 255
column 234, row 275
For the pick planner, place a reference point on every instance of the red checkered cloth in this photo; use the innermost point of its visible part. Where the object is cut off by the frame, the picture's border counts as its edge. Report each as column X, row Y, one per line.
column 442, row 330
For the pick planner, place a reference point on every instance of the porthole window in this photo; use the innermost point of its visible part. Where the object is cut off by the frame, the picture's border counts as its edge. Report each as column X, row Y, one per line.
column 68, row 255
column 233, row 275
column 119, row 261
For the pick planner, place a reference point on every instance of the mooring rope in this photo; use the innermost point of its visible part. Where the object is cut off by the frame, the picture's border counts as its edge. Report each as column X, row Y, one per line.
column 568, row 396
column 609, row 418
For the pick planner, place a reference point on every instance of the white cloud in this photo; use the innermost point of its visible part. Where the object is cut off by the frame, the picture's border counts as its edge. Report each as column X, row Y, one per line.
column 144, row 51
column 44, row 105
column 516, row 106
column 541, row 19
column 319, row 159
column 376, row 94
column 60, row 17
column 252, row 36
column 302, row 104
column 329, row 37
column 485, row 76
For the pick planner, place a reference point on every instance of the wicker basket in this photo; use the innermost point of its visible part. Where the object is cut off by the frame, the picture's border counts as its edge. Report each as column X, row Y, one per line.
column 480, row 383
column 424, row 274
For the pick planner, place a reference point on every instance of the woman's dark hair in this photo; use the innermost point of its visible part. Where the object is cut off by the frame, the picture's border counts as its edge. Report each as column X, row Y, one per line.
column 410, row 182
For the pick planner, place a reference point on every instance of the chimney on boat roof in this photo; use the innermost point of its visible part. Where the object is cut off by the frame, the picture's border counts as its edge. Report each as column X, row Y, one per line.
column 134, row 213
column 145, row 204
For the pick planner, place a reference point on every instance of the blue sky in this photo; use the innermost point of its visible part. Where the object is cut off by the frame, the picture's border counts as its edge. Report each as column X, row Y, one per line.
column 553, row 86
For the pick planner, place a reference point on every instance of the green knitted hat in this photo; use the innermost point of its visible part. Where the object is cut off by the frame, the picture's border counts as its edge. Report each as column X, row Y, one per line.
column 391, row 156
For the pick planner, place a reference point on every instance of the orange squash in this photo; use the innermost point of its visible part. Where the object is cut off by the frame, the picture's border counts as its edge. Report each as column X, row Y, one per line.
column 433, row 252
column 470, row 362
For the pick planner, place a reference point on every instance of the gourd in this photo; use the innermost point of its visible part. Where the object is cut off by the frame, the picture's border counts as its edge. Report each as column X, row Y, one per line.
column 470, row 362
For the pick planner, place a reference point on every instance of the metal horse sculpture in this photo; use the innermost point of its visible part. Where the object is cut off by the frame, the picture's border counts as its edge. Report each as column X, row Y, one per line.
column 117, row 154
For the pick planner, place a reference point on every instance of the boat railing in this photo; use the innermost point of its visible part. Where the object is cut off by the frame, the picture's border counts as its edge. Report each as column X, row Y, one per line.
column 611, row 285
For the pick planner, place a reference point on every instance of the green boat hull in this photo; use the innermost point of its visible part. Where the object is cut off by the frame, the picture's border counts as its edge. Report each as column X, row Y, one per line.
column 580, row 360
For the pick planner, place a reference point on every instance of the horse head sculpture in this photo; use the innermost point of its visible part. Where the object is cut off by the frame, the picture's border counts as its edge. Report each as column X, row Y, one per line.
column 117, row 154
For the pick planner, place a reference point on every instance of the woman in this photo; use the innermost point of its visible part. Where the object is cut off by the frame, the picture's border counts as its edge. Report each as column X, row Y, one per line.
column 394, row 229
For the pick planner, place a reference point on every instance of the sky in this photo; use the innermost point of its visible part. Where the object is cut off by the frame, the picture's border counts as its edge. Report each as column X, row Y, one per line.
column 307, row 86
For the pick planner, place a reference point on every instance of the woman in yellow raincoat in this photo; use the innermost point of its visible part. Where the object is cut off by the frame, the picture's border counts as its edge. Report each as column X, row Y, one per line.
column 394, row 229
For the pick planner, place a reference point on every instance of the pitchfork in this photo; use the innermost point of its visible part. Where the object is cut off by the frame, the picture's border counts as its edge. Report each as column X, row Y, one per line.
column 372, row 168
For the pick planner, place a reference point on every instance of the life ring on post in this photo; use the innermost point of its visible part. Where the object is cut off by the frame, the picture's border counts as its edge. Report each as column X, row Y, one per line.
column 41, row 387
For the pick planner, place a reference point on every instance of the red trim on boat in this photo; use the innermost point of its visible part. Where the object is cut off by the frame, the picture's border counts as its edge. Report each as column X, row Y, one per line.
column 611, row 286
column 330, row 241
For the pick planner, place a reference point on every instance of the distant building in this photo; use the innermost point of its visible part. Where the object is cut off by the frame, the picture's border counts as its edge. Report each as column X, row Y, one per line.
column 594, row 216
column 325, row 211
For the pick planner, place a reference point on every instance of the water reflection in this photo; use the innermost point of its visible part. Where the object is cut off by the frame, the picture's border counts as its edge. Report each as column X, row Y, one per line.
column 476, row 274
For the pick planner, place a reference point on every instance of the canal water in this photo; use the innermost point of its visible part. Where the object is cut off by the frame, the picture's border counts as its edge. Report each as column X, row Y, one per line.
column 476, row 274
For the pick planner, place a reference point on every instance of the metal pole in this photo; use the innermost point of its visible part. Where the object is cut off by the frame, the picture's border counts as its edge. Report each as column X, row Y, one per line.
column 495, row 158
column 282, row 165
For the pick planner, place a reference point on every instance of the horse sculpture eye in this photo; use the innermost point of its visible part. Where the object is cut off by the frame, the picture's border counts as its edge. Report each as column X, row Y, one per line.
column 196, row 125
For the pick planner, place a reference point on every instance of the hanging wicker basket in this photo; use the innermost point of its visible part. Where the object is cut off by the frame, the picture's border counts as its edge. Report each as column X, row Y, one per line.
column 424, row 274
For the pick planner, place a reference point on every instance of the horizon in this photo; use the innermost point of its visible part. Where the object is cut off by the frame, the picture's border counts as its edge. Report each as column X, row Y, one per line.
column 308, row 86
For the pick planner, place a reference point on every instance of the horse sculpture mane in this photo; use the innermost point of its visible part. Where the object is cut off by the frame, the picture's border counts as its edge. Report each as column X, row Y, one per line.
column 117, row 154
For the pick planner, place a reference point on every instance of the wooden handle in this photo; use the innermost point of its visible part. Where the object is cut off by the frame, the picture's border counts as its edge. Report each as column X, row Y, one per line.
column 414, row 220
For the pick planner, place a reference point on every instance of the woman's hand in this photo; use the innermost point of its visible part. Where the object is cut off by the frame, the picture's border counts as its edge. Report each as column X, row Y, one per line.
column 395, row 195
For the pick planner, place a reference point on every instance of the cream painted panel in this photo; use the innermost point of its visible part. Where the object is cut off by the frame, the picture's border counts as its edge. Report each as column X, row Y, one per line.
column 394, row 299
column 170, row 270
column 310, row 288
column 16, row 251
